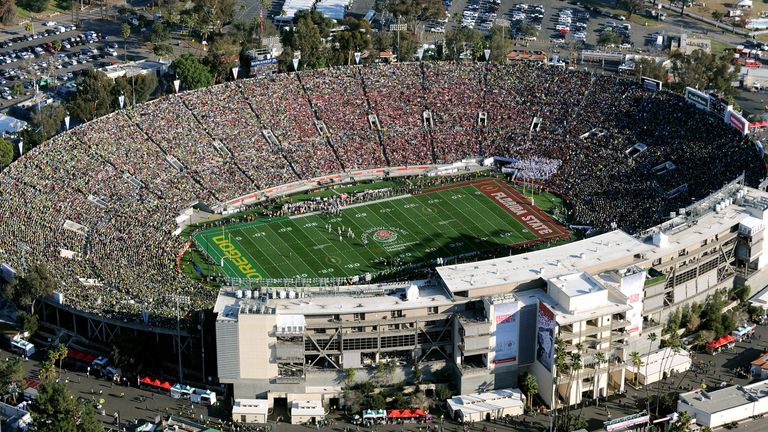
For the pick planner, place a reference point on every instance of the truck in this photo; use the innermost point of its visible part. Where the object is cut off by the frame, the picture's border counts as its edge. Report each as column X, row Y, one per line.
column 656, row 14
column 201, row 396
column 20, row 346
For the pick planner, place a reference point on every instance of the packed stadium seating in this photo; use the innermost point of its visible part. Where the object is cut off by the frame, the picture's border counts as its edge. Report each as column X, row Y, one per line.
column 126, row 176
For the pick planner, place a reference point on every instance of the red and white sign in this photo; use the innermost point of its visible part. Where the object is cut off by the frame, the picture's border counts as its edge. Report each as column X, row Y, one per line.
column 738, row 121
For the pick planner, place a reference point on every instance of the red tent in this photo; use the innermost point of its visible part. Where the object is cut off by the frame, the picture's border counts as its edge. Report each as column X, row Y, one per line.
column 394, row 414
column 154, row 382
column 80, row 356
column 717, row 343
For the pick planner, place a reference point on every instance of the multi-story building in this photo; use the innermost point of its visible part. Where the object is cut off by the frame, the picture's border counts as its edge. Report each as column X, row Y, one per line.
column 486, row 322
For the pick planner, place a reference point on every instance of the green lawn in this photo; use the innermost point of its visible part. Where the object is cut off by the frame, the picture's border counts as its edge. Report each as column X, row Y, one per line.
column 455, row 222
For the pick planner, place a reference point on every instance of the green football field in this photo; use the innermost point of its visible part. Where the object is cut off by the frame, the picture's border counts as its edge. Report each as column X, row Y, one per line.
column 450, row 222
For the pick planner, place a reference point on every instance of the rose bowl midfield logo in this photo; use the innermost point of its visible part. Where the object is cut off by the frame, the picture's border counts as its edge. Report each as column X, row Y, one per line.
column 383, row 234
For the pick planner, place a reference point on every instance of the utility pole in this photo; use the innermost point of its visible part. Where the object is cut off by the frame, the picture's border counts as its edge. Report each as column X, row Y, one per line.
column 179, row 299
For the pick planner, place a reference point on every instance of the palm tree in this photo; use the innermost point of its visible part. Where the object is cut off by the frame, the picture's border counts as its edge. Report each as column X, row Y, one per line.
column 599, row 359
column 575, row 366
column 47, row 371
column 637, row 362
column 561, row 367
column 125, row 30
column 651, row 339
column 674, row 345
column 29, row 27
column 531, row 387
column 58, row 353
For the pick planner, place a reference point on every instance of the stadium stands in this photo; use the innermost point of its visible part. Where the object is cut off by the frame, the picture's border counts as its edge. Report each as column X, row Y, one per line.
column 143, row 166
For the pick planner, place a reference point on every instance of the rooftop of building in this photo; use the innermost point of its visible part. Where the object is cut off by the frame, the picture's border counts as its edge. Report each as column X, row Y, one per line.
column 598, row 251
column 487, row 401
column 576, row 284
column 726, row 398
column 616, row 303
column 344, row 300
column 664, row 358
column 250, row 406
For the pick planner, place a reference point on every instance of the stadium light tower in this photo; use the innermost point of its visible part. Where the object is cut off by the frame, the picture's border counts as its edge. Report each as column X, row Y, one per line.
column 179, row 299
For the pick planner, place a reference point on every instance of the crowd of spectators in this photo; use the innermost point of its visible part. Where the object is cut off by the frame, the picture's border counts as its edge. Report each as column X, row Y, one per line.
column 98, row 204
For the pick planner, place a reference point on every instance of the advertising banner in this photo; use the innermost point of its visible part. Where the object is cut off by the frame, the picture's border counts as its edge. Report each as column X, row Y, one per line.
column 740, row 123
column 545, row 350
column 507, row 331
column 632, row 286
column 651, row 84
column 697, row 98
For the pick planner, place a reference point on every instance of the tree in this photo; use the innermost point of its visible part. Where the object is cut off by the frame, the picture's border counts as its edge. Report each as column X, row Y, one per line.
column 48, row 119
column 355, row 37
column 651, row 339
column 92, row 98
column 12, row 377
column 420, row 400
column 57, row 410
column 717, row 15
column 683, row 421
column 608, row 38
column 599, row 359
column 36, row 283
column 6, row 152
column 650, row 68
column 89, row 422
column 530, row 386
column 7, row 12
column 380, row 373
column 416, row 373
column 443, row 393
column 417, row 9
column 378, row 401
column 631, row 6
column 349, row 377
column 463, row 40
column 215, row 12
column 36, row 6
column 499, row 44
column 125, row 31
column 17, row 88
column 408, row 47
column 27, row 322
column 352, row 400
column 308, row 40
column 58, row 354
column 162, row 50
column 637, row 362
column 159, row 33
column 192, row 74
column 741, row 293
column 222, row 55
column 47, row 371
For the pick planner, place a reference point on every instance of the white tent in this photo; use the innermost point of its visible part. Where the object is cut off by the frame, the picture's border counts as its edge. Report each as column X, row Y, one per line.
column 492, row 404
column 744, row 4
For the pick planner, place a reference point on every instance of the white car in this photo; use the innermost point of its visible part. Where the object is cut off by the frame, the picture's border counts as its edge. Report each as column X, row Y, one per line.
column 50, row 23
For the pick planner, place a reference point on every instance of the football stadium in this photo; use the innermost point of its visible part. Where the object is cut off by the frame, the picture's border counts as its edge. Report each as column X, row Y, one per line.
column 455, row 217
